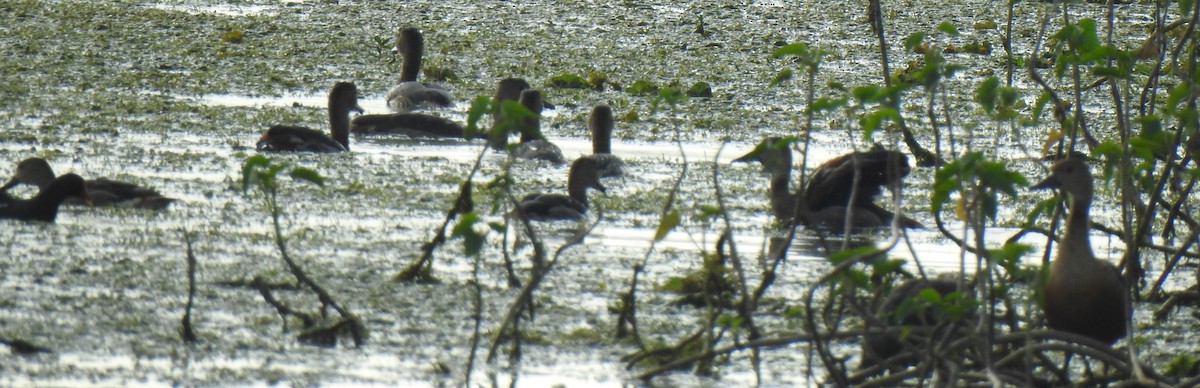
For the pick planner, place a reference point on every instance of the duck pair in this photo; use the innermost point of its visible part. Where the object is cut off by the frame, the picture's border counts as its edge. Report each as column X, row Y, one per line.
column 1081, row 293
column 844, row 186
column 343, row 100
column 54, row 191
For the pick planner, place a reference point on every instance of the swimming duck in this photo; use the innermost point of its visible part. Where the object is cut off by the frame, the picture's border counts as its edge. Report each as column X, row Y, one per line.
column 1082, row 294
column 508, row 89
column 411, row 124
column 828, row 192
column 533, row 144
column 410, row 94
column 44, row 205
column 343, row 98
column 103, row 192
column 583, row 175
column 600, row 123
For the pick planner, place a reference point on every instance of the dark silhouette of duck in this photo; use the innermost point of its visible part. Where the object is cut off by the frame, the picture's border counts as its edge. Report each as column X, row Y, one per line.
column 44, row 205
column 102, row 191
column 574, row 205
column 1082, row 294
column 343, row 98
column 411, row 94
column 880, row 347
column 824, row 201
column 411, row 124
column 533, row 144
column 508, row 89
column 600, row 123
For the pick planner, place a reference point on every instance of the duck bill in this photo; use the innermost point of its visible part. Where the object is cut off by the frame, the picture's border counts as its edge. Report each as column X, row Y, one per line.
column 1049, row 183
column 750, row 157
column 10, row 184
column 263, row 142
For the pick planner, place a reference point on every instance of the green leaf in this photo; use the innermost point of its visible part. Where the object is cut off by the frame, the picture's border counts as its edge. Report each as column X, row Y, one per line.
column 465, row 228
column 782, row 76
column 985, row 94
column 668, row 222
column 947, row 28
column 479, row 106
column 792, row 50
column 307, row 174
column 250, row 168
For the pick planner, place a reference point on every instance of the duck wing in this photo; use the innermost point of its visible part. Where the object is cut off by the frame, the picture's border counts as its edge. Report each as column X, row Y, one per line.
column 411, row 95
column 551, row 207
column 411, row 124
column 107, row 192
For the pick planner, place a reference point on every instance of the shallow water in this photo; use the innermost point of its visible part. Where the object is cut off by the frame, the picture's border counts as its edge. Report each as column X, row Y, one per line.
column 146, row 91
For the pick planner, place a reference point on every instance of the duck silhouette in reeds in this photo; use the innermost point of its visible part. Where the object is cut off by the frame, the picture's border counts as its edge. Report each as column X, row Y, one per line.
column 831, row 192
column 1082, row 294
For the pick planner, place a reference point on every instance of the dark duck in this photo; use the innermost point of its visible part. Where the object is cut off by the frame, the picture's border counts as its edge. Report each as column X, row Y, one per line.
column 831, row 192
column 573, row 206
column 600, row 124
column 1082, row 294
column 411, row 94
column 343, row 98
column 102, row 191
column 44, row 206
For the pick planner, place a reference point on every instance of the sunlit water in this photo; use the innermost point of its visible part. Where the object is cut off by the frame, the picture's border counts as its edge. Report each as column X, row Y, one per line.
column 105, row 288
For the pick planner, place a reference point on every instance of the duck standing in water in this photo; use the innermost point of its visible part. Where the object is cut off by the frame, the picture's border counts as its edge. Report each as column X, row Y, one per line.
column 827, row 197
column 533, row 144
column 44, row 206
column 574, row 205
column 103, row 192
column 411, row 94
column 343, row 98
column 1082, row 294
column 600, row 123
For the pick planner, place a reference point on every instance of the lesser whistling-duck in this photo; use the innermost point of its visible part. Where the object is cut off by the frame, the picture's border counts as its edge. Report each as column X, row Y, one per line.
column 343, row 98
column 411, row 94
column 827, row 196
column 508, row 89
column 574, row 205
column 533, row 144
column 1082, row 294
column 103, row 192
column 896, row 310
column 600, row 123
column 44, row 205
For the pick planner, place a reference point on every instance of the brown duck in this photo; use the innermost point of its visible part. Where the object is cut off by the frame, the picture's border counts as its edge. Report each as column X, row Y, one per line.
column 1082, row 294
column 827, row 196
column 600, row 123
column 411, row 94
column 102, row 191
column 343, row 98
column 44, row 205
column 574, row 205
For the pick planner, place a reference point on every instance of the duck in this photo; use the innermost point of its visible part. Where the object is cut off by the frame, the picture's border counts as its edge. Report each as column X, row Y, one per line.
column 1082, row 294
column 573, row 206
column 825, row 198
column 102, row 191
column 880, row 347
column 44, row 206
column 533, row 144
column 411, row 94
column 508, row 89
column 600, row 124
column 414, row 125
column 343, row 99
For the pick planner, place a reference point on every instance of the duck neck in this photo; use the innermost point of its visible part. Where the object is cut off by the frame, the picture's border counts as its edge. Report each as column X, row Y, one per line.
column 1077, row 243
column 577, row 188
column 782, row 201
column 411, row 66
column 339, row 124
column 602, row 140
